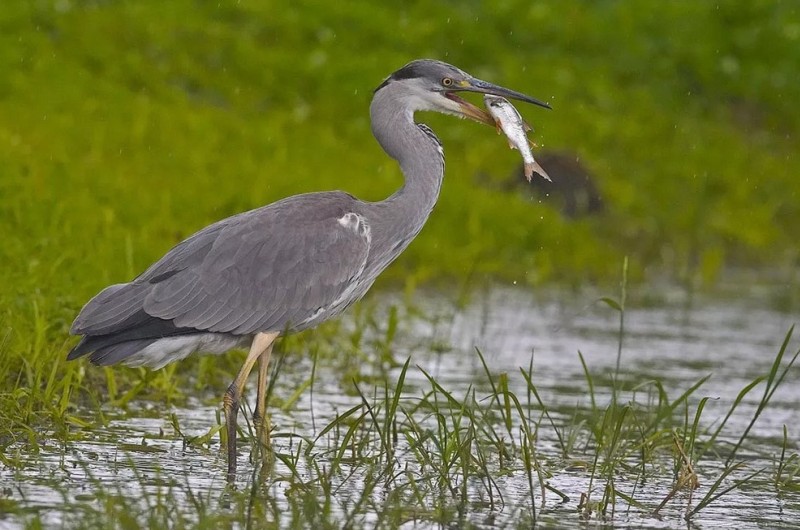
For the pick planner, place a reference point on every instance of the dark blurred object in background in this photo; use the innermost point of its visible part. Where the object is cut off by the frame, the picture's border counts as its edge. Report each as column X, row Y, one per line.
column 573, row 188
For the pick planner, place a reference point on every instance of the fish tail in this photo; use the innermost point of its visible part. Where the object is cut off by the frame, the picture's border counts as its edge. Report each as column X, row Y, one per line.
column 529, row 170
column 533, row 166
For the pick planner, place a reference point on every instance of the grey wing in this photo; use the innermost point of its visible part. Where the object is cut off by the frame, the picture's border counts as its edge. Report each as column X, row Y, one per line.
column 119, row 306
column 268, row 271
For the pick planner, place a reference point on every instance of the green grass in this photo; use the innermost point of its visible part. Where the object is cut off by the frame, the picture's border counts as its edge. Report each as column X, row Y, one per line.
column 422, row 453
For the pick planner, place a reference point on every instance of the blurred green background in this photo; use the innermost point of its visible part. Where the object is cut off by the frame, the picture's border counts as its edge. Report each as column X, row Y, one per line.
column 126, row 126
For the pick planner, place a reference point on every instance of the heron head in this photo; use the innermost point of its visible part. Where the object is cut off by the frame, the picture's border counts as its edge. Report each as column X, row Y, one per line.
column 434, row 85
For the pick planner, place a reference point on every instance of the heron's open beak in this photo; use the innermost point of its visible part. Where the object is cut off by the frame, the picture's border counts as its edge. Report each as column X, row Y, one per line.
column 482, row 87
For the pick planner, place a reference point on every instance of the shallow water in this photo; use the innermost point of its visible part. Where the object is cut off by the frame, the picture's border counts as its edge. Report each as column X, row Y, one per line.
column 733, row 339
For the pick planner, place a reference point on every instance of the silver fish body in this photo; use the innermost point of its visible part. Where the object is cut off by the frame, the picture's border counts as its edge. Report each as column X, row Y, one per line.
column 509, row 121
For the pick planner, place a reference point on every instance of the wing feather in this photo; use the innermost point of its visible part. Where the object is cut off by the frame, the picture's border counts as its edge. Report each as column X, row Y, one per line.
column 119, row 307
column 111, row 307
column 266, row 272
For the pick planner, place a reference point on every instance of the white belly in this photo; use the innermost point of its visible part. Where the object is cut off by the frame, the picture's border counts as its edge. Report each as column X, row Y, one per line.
column 171, row 349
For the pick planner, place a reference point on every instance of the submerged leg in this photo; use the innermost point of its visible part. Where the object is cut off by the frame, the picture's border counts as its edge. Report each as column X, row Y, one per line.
column 230, row 403
column 260, row 416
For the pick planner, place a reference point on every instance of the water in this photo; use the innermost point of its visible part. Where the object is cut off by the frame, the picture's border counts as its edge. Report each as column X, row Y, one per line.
column 733, row 339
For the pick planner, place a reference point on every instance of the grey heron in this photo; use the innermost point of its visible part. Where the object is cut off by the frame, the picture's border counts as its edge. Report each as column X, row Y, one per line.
column 288, row 266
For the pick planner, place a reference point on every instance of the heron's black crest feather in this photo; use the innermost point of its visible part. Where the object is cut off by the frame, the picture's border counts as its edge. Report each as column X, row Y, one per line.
column 421, row 68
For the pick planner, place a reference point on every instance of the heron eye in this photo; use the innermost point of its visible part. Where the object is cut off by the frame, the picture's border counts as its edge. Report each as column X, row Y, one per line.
column 447, row 81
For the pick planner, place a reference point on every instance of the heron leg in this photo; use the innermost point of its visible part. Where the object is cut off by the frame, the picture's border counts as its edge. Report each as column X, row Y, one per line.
column 260, row 417
column 230, row 402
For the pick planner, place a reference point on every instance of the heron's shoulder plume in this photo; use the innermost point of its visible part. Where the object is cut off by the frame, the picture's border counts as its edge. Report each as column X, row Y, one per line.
column 432, row 135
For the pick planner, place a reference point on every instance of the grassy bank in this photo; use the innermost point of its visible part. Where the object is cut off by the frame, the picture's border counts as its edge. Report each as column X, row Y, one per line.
column 130, row 125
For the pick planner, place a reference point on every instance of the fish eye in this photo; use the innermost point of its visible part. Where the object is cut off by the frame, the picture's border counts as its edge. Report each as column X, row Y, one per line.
column 447, row 81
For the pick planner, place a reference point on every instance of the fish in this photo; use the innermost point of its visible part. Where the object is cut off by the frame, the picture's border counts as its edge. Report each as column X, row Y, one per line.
column 508, row 121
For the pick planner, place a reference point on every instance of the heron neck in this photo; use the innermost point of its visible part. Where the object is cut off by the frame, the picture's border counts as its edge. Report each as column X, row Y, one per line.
column 421, row 160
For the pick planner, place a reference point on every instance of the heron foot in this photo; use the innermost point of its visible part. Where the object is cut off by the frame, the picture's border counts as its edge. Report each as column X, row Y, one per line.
column 263, row 428
column 230, row 404
column 263, row 456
